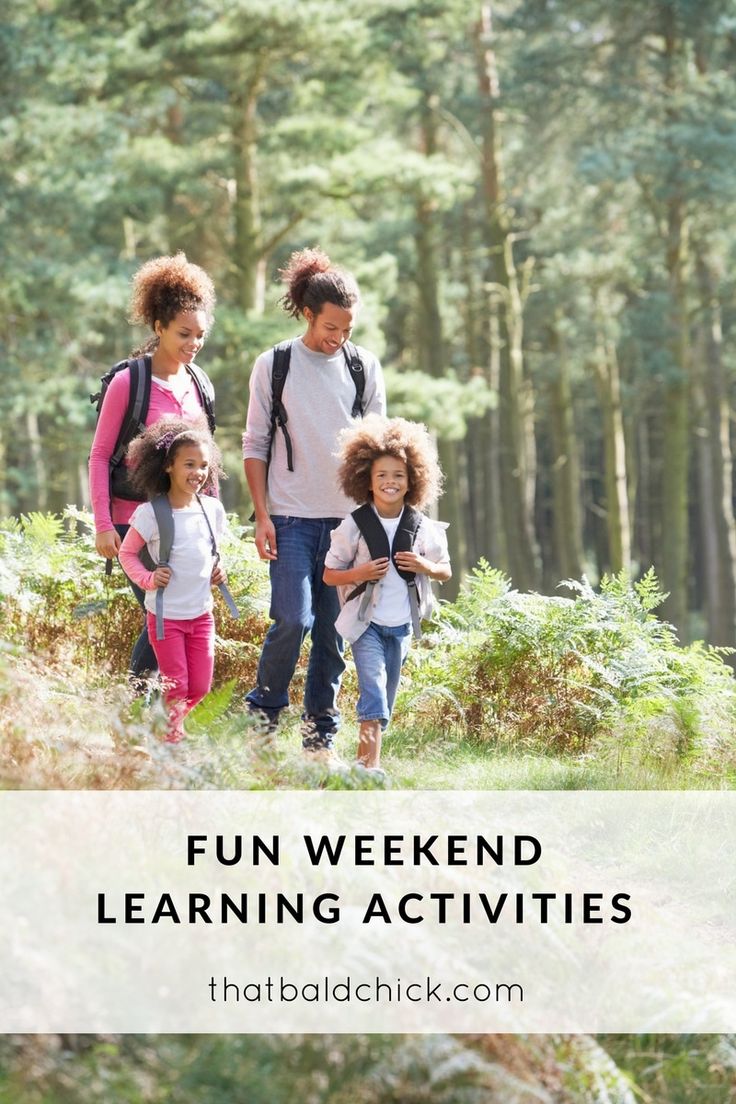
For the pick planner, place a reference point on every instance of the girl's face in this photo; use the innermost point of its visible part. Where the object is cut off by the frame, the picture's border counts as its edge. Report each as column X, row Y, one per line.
column 188, row 470
column 389, row 485
column 184, row 336
column 328, row 331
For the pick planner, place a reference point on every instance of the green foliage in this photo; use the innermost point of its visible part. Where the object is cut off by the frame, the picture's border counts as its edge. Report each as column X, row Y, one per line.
column 597, row 671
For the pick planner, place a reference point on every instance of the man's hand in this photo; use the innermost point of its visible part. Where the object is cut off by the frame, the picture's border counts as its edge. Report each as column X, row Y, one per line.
column 266, row 539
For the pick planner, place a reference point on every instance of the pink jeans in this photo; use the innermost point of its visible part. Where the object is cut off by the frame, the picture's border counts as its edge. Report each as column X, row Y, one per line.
column 186, row 657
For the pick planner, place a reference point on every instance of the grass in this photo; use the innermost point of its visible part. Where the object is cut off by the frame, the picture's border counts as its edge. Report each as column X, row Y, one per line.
column 59, row 730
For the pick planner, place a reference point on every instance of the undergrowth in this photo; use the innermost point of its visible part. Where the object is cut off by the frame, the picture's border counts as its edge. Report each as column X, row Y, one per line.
column 550, row 692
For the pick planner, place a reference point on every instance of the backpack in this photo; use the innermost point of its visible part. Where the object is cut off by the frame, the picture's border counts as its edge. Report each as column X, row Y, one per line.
column 375, row 537
column 134, row 421
column 281, row 363
column 165, row 521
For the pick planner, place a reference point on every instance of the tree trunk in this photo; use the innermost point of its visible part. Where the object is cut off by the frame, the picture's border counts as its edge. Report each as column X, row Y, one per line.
column 716, row 462
column 434, row 353
column 566, row 485
column 248, row 245
column 618, row 524
column 675, row 408
column 516, row 444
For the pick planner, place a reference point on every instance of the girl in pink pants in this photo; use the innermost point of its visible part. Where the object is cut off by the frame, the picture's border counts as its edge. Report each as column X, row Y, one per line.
column 178, row 459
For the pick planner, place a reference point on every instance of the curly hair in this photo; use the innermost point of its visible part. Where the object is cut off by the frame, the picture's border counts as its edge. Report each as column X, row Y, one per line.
column 360, row 445
column 167, row 285
column 312, row 280
column 152, row 451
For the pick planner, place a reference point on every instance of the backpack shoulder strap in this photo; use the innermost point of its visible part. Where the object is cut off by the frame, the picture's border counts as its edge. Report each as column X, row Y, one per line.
column 366, row 518
column 279, row 417
column 374, row 535
column 405, row 536
column 357, row 373
column 203, row 383
column 139, row 397
column 165, row 522
column 403, row 541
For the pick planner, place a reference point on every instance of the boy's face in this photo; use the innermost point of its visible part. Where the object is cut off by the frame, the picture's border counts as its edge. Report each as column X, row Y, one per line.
column 389, row 485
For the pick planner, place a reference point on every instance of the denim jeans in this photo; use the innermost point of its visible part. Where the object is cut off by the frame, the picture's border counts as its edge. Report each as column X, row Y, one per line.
column 379, row 655
column 301, row 604
column 143, row 662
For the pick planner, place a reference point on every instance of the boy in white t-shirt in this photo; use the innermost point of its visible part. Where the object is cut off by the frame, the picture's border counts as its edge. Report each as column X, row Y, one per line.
column 390, row 464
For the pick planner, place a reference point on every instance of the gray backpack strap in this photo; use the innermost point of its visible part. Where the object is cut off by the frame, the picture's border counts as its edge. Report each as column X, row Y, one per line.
column 222, row 587
column 165, row 522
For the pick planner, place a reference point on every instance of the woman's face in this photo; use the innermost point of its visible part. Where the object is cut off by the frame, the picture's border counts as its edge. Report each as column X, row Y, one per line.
column 184, row 336
column 328, row 331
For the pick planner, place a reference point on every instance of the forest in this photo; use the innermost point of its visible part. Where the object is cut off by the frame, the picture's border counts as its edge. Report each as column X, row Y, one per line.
column 535, row 196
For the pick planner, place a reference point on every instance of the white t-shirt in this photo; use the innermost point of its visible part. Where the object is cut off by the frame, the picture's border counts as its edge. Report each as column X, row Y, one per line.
column 189, row 592
column 391, row 605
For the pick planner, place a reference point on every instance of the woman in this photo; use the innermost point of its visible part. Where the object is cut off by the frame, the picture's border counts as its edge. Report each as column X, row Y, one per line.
column 176, row 300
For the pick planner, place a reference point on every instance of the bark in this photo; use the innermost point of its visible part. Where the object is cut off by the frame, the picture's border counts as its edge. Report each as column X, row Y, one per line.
column 38, row 463
column 516, row 429
column 675, row 441
column 248, row 250
column 618, row 526
column 434, row 355
column 718, row 527
column 566, row 485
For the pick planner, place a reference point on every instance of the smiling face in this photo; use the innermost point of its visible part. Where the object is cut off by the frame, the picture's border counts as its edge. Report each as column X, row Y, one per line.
column 181, row 340
column 389, row 485
column 328, row 331
column 188, row 471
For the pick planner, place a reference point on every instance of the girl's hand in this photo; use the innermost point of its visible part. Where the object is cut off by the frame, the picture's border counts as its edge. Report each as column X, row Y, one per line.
column 375, row 569
column 108, row 544
column 161, row 577
column 219, row 575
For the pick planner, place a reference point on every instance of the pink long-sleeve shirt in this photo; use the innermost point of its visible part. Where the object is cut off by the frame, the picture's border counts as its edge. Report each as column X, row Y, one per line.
column 163, row 401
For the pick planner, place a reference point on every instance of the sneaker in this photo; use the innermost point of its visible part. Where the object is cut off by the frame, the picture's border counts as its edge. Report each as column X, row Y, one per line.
column 373, row 772
column 324, row 758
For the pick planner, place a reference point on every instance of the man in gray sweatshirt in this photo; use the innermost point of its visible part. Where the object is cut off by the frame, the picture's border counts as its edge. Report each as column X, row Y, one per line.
column 296, row 511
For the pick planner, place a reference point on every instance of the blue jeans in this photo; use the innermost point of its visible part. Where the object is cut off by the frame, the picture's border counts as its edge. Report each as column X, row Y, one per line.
column 301, row 604
column 143, row 662
column 379, row 655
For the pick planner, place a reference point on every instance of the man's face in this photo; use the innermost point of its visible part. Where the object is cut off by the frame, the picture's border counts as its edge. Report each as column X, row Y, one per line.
column 328, row 331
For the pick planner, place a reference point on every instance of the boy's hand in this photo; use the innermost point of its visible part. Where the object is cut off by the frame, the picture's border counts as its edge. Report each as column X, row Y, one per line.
column 371, row 571
column 161, row 576
column 219, row 575
column 411, row 561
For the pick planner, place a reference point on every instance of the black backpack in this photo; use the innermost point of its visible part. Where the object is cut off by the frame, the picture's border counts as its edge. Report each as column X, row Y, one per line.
column 374, row 534
column 281, row 364
column 134, row 421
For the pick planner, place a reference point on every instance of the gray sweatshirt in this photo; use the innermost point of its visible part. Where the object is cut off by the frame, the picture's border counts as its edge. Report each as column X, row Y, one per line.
column 318, row 396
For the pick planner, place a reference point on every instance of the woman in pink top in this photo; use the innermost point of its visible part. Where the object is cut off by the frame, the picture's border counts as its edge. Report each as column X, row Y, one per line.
column 175, row 299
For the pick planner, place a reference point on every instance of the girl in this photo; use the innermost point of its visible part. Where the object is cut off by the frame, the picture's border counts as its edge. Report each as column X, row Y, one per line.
column 175, row 299
column 391, row 464
column 178, row 459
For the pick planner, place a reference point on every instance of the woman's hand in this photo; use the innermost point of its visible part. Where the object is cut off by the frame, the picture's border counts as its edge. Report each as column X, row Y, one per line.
column 218, row 576
column 161, row 577
column 108, row 544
